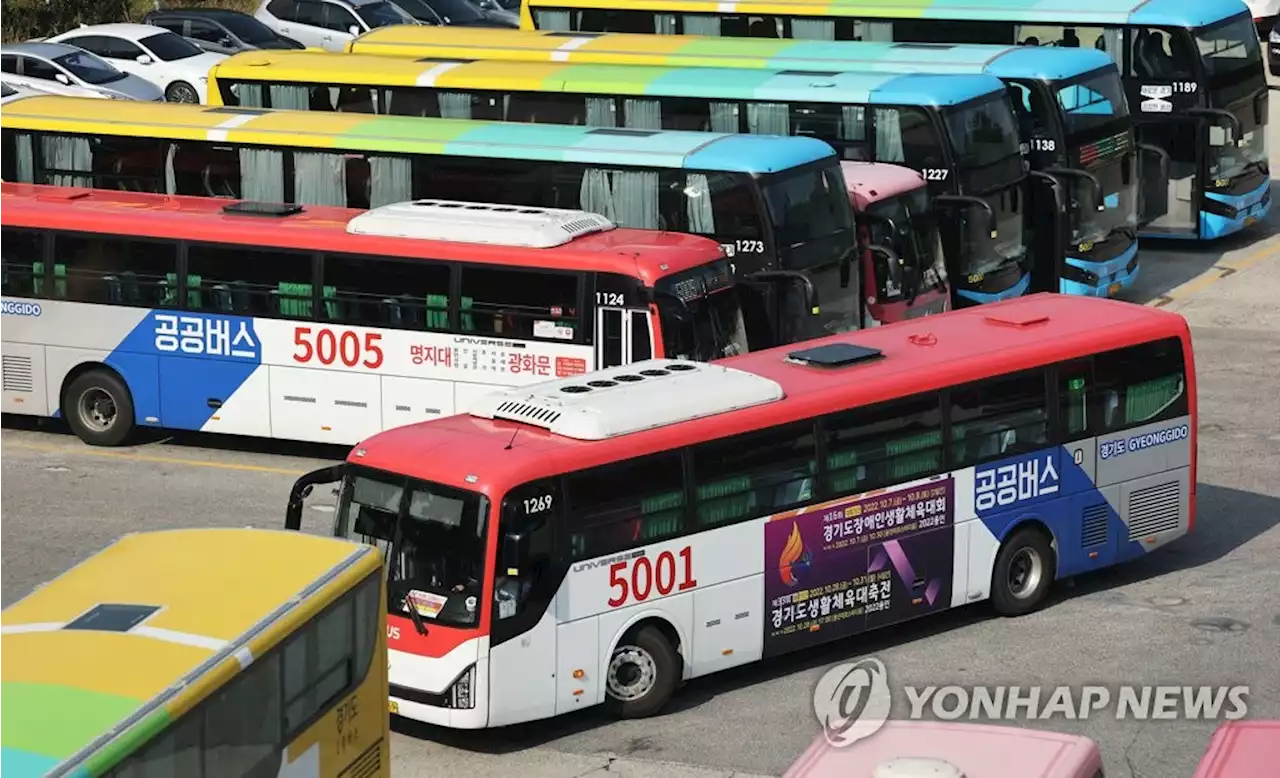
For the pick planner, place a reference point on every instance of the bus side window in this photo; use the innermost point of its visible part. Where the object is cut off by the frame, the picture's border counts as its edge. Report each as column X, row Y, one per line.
column 1075, row 391
column 999, row 418
column 242, row 720
column 1159, row 53
column 521, row 303
column 23, row 252
column 883, row 444
column 176, row 752
column 624, row 504
column 745, row 476
column 252, row 282
column 1141, row 384
column 381, row 292
column 116, row 271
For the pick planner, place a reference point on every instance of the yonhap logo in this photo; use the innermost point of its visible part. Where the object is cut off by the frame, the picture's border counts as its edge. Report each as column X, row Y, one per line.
column 15, row 308
column 852, row 701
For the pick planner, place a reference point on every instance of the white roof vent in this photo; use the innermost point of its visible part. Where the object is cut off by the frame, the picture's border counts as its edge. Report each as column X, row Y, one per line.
column 917, row 767
column 622, row 400
column 460, row 222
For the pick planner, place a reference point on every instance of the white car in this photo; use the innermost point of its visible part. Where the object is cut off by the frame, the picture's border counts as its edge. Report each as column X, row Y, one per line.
column 329, row 24
column 9, row 93
column 169, row 61
column 56, row 68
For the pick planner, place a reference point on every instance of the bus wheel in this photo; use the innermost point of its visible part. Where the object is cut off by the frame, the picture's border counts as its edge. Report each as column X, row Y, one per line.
column 99, row 409
column 643, row 673
column 1023, row 573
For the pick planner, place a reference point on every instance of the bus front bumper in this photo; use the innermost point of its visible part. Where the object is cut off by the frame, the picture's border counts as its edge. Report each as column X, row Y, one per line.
column 1223, row 215
column 1101, row 279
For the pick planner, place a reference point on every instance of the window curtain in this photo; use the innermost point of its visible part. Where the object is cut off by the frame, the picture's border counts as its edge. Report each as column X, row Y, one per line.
column 296, row 98
column 552, row 20
column 1109, row 42
column 25, row 167
column 170, row 175
column 888, row 136
column 455, row 105
column 876, row 31
column 319, row 178
column 249, row 95
column 702, row 25
column 853, row 123
column 642, row 114
column 62, row 153
column 813, row 29
column 602, row 112
column 724, row 117
column 635, row 198
column 664, row 24
column 697, row 192
column 596, row 193
column 392, row 180
column 768, row 119
column 262, row 175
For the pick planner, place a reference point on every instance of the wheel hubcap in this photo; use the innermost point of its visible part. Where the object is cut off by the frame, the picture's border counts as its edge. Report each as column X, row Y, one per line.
column 1025, row 571
column 97, row 409
column 632, row 673
column 184, row 95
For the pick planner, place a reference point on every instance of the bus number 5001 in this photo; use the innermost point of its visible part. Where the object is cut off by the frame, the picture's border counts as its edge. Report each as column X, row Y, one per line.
column 646, row 576
column 327, row 347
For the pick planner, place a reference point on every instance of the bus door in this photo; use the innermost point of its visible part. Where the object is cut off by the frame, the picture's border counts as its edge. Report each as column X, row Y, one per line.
column 1049, row 225
column 623, row 336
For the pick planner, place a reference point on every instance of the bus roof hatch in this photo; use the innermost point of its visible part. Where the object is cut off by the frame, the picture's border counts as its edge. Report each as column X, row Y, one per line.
column 461, row 222
column 631, row 398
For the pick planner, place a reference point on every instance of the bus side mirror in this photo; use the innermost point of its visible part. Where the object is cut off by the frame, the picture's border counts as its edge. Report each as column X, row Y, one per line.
column 302, row 489
column 800, row 279
column 898, row 279
column 969, row 202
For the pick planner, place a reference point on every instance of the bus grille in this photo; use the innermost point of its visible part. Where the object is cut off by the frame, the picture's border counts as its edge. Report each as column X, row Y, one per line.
column 1094, row 525
column 1153, row 509
column 366, row 765
column 513, row 410
column 17, row 374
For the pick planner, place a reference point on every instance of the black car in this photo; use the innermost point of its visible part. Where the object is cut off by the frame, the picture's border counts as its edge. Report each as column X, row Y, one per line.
column 458, row 13
column 1273, row 50
column 219, row 30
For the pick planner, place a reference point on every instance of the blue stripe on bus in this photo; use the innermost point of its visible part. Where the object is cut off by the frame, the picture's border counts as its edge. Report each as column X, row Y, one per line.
column 941, row 90
column 1247, row 205
column 176, row 387
column 1047, row 63
column 1183, row 13
column 758, row 153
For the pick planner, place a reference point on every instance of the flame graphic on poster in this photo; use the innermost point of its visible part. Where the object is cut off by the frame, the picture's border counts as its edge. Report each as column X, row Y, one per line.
column 794, row 557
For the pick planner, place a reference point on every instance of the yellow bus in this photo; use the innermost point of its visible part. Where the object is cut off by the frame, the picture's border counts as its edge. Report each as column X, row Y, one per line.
column 201, row 653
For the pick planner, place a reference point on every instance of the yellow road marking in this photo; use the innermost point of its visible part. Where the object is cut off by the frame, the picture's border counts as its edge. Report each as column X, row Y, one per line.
column 87, row 451
column 1219, row 271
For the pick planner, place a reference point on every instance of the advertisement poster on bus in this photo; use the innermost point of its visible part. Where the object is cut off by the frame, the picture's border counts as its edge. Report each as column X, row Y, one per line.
column 857, row 563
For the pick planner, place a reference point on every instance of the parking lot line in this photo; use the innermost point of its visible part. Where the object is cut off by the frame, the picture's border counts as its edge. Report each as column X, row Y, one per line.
column 1219, row 271
column 125, row 456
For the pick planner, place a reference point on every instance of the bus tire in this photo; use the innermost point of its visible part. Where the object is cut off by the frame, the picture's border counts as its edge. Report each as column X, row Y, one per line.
column 643, row 673
column 1023, row 573
column 99, row 408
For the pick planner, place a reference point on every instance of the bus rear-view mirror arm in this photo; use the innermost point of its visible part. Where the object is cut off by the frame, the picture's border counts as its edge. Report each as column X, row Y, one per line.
column 302, row 489
column 968, row 201
column 910, row 280
column 1224, row 115
column 1159, row 154
column 795, row 277
column 887, row 221
column 1085, row 175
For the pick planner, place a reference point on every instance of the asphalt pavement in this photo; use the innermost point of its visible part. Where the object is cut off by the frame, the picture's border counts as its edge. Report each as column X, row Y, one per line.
column 1200, row 611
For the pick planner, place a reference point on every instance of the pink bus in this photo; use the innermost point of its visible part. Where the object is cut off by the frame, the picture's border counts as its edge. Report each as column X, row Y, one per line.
column 903, row 266
column 1242, row 749
column 936, row 749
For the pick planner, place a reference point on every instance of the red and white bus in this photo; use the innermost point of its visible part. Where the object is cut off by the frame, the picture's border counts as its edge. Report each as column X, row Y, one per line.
column 327, row 324
column 600, row 538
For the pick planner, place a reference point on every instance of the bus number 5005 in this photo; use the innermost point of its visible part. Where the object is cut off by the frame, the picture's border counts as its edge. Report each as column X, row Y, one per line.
column 646, row 577
column 327, row 347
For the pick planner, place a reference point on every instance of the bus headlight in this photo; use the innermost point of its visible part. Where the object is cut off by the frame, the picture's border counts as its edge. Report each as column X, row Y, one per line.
column 460, row 692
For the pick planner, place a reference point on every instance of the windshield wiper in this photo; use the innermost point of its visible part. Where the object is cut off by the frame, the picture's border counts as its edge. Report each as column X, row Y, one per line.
column 416, row 617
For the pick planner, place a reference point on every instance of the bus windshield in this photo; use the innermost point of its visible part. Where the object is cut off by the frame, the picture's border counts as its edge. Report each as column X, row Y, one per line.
column 432, row 537
column 985, row 136
column 1119, row 182
column 916, row 241
column 807, row 207
column 1228, row 46
column 1229, row 160
column 701, row 315
column 1089, row 104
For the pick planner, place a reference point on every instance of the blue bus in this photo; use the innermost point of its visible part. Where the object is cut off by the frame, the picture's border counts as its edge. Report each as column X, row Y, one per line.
column 958, row 131
column 1192, row 71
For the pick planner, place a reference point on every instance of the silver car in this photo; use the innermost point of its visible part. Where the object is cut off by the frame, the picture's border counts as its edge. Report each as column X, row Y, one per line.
column 64, row 69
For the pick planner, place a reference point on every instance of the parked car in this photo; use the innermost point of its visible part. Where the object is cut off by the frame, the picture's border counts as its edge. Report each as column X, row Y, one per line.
column 220, row 30
column 459, row 13
column 1273, row 50
column 10, row 92
column 329, row 24
column 505, row 11
column 58, row 68
column 169, row 61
